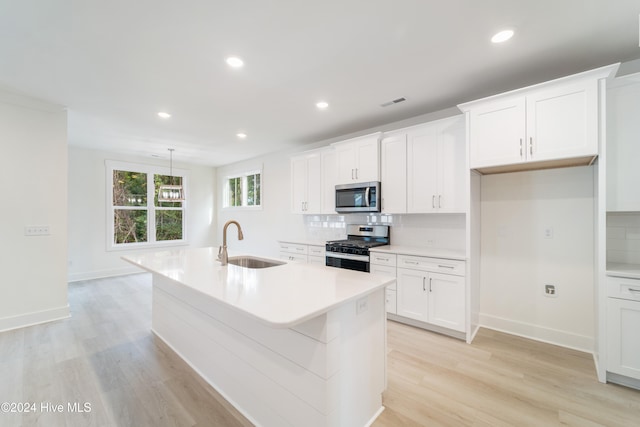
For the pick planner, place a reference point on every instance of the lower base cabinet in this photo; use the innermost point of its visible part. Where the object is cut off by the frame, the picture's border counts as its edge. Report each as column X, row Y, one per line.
column 435, row 298
column 623, row 321
column 429, row 290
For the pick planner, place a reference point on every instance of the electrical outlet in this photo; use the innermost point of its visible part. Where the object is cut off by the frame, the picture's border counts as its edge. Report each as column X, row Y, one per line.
column 362, row 305
column 550, row 290
column 548, row 233
column 37, row 230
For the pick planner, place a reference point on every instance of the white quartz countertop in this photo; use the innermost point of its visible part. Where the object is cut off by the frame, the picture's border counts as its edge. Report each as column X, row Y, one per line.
column 632, row 271
column 428, row 252
column 280, row 296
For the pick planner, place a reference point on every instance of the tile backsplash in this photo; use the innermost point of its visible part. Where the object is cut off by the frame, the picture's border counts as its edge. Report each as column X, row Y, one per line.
column 623, row 237
column 445, row 231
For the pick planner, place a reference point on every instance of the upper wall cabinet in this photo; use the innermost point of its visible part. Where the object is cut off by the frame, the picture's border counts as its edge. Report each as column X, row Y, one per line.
column 423, row 168
column 623, row 147
column 548, row 125
column 306, row 183
column 358, row 159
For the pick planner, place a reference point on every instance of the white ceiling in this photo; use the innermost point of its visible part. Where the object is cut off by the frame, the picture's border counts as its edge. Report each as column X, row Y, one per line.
column 115, row 64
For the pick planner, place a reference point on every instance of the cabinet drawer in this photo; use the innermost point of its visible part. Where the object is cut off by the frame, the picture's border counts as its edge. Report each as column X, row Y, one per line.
column 316, row 251
column 621, row 287
column 437, row 265
column 293, row 248
column 383, row 259
column 318, row 260
column 287, row 256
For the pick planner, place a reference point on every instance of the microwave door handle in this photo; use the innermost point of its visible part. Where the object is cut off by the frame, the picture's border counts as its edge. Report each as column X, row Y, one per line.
column 367, row 192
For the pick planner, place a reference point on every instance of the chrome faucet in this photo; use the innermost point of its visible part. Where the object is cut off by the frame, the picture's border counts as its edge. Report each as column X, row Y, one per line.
column 223, row 257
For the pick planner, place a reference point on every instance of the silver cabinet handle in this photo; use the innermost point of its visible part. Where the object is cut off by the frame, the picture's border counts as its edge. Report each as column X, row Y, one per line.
column 446, row 266
column 356, row 173
column 423, row 285
column 520, row 147
column 439, row 200
column 430, row 280
column 382, row 259
column 299, row 249
column 411, row 262
column 433, row 201
column 352, row 171
column 634, row 290
column 531, row 145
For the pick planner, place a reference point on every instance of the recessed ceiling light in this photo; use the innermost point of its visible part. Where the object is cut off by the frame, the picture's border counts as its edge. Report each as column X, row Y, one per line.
column 241, row 135
column 235, row 62
column 164, row 115
column 502, row 36
column 322, row 105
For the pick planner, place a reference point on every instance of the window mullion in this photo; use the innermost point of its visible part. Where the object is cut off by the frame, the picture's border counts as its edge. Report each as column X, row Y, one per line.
column 151, row 211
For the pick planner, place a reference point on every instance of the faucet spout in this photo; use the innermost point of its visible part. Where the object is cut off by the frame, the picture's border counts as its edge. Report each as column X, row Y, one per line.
column 223, row 257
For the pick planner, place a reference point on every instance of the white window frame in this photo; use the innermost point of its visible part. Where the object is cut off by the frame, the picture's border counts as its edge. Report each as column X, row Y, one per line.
column 243, row 180
column 150, row 170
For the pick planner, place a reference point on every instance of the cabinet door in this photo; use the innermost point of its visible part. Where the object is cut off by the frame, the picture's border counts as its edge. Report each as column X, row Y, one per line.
column 298, row 184
column 623, row 149
column 452, row 167
column 329, row 181
column 346, row 163
column 390, row 301
column 422, row 164
column 623, row 339
column 394, row 173
column 497, row 133
column 447, row 301
column 314, row 185
column 562, row 121
column 412, row 294
column 367, row 159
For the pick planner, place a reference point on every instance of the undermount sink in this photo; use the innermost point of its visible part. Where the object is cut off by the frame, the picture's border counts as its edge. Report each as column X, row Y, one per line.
column 253, row 262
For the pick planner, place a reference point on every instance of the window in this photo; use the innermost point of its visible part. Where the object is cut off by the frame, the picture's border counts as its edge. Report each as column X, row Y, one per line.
column 243, row 190
column 135, row 217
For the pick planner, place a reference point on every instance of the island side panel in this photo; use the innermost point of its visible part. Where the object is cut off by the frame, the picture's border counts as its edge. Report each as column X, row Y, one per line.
column 279, row 376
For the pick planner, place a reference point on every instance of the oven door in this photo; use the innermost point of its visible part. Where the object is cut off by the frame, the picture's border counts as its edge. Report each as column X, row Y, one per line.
column 348, row 261
column 363, row 197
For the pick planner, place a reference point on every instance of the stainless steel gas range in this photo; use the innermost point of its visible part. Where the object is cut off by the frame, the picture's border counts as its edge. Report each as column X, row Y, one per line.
column 353, row 253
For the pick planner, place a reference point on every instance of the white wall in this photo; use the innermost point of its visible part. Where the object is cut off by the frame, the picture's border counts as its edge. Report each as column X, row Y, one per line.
column 33, row 137
column 88, row 257
column 517, row 259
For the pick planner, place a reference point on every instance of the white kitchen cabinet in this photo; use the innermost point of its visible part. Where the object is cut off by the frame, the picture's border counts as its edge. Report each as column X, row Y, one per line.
column 423, row 168
column 306, row 183
column 385, row 264
column 316, row 255
column 412, row 294
column 547, row 125
column 393, row 173
column 623, row 149
column 623, row 321
column 296, row 252
column 447, row 301
column 358, row 159
column 436, row 164
column 427, row 294
column 329, row 180
column 302, row 252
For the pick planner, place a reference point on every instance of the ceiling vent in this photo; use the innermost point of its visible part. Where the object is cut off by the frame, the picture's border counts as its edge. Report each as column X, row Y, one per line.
column 395, row 101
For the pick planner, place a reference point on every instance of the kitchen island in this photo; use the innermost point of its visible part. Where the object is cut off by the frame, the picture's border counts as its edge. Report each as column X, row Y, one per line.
column 289, row 345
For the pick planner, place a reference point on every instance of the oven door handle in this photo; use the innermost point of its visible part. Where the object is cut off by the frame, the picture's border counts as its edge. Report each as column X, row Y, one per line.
column 353, row 257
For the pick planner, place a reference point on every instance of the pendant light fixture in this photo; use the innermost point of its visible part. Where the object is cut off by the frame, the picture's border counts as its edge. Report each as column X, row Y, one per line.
column 170, row 193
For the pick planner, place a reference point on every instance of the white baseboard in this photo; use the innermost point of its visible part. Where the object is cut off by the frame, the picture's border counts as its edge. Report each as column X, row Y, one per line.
column 34, row 318
column 538, row 333
column 100, row 274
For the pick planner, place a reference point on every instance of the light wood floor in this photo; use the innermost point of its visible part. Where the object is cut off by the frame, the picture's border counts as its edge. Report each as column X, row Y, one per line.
column 106, row 356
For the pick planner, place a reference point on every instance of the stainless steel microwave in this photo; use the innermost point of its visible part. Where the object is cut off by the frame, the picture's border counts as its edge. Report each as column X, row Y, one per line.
column 360, row 197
